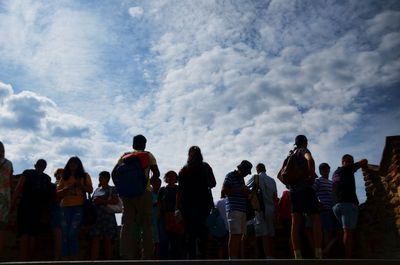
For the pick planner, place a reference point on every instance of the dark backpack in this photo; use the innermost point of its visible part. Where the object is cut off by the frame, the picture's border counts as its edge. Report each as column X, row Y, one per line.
column 129, row 177
column 292, row 171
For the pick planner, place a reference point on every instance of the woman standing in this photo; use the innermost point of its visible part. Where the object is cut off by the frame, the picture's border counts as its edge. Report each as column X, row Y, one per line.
column 72, row 189
column 105, row 227
column 194, row 200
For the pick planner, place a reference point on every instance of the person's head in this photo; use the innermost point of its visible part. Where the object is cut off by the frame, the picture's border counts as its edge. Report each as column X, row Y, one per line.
column 2, row 151
column 347, row 160
column 104, row 178
column 244, row 168
column 194, row 155
column 171, row 177
column 58, row 173
column 139, row 142
column 155, row 184
column 40, row 165
column 260, row 168
column 324, row 170
column 300, row 141
column 74, row 167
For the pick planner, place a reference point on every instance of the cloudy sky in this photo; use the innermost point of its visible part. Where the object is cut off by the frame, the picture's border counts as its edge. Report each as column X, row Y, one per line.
column 240, row 79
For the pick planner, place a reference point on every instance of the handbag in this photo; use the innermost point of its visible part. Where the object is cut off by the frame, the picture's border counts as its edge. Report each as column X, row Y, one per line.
column 89, row 215
column 115, row 208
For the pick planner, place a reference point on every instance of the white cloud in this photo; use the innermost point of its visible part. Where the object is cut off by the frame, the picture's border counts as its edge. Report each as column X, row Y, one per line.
column 244, row 100
column 136, row 11
column 33, row 127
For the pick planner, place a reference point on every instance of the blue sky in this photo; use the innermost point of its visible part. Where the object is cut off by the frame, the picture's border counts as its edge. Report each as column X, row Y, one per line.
column 240, row 79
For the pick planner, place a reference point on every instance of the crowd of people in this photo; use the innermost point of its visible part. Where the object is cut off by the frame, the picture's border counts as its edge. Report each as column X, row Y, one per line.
column 178, row 220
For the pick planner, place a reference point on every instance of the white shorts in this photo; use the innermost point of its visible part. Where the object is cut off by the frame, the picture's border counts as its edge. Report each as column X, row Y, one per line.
column 236, row 222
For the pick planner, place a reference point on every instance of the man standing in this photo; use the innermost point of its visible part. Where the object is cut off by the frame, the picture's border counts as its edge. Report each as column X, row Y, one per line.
column 323, row 189
column 6, row 171
column 236, row 192
column 264, row 226
column 304, row 199
column 34, row 187
column 138, row 209
column 345, row 201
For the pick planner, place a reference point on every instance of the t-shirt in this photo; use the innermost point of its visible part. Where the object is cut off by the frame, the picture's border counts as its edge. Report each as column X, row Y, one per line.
column 37, row 187
column 344, row 185
column 167, row 198
column 74, row 196
column 236, row 201
column 323, row 189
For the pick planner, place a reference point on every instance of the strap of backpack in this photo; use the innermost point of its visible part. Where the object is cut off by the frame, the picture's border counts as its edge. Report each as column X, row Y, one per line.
column 257, row 181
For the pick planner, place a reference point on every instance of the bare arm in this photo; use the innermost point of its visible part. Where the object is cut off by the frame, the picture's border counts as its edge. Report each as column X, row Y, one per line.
column 363, row 163
column 311, row 165
column 155, row 172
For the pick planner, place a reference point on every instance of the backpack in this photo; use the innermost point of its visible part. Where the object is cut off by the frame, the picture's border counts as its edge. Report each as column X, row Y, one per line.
column 291, row 171
column 129, row 177
column 256, row 196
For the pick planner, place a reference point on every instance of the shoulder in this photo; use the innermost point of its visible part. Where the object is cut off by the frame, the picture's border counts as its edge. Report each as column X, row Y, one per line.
column 28, row 173
column 6, row 162
column 303, row 151
column 206, row 165
column 183, row 170
column 271, row 179
column 152, row 158
column 230, row 175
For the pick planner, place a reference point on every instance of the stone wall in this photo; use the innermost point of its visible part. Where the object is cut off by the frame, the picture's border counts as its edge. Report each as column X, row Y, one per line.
column 378, row 233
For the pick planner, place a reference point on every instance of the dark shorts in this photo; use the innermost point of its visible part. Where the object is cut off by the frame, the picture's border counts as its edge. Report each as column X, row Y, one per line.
column 304, row 200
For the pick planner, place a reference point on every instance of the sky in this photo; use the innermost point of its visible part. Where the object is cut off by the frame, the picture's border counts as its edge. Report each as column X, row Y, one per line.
column 238, row 78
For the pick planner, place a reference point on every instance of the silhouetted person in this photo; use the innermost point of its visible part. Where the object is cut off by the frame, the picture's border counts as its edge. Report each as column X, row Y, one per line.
column 34, row 187
column 72, row 189
column 6, row 171
column 236, row 195
column 105, row 228
column 345, row 199
column 304, row 200
column 138, row 209
column 264, row 220
column 194, row 200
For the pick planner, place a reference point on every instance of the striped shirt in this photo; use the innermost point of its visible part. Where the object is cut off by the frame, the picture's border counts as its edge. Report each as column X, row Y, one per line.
column 323, row 189
column 236, row 201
